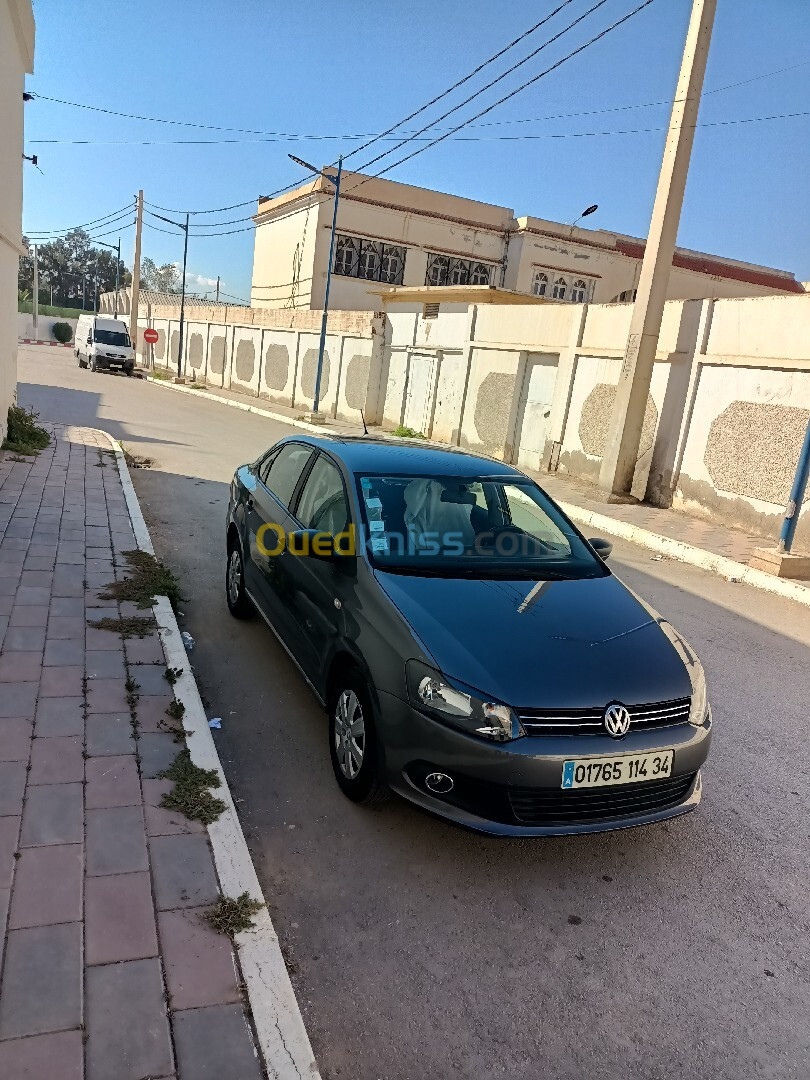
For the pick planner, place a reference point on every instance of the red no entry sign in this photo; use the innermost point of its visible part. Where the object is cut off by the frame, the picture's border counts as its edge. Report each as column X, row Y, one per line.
column 151, row 336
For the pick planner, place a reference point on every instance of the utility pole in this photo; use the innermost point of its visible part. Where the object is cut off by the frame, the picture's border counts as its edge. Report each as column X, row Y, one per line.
column 182, row 306
column 621, row 452
column 135, row 298
column 177, row 224
column 117, row 275
column 35, row 308
column 217, row 288
column 322, row 345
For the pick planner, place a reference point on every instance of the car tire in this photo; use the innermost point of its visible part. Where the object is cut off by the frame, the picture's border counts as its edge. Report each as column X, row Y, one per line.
column 128, row 372
column 239, row 603
column 355, row 759
column 93, row 364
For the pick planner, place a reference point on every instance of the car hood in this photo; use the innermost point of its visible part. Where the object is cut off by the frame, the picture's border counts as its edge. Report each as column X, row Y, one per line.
column 554, row 644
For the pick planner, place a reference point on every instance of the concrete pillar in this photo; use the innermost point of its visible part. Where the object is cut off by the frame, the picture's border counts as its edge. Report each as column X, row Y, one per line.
column 563, row 388
column 621, row 452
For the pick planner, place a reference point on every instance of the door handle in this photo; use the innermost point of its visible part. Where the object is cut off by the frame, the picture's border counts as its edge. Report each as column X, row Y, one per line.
column 249, row 503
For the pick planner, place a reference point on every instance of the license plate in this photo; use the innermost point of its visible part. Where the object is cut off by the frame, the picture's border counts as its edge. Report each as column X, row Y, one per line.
column 627, row 769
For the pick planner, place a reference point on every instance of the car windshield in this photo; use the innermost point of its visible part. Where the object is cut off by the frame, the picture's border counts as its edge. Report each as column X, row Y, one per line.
column 457, row 526
column 111, row 337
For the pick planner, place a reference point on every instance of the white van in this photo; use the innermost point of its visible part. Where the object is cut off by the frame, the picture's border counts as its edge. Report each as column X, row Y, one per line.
column 103, row 344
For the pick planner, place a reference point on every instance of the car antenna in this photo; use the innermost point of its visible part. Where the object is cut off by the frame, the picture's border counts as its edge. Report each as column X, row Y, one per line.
column 365, row 429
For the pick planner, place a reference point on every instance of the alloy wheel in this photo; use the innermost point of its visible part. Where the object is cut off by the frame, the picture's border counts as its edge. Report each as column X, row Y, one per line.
column 350, row 734
column 234, row 576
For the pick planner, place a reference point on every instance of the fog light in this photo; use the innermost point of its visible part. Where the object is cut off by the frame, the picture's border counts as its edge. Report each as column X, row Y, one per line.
column 439, row 783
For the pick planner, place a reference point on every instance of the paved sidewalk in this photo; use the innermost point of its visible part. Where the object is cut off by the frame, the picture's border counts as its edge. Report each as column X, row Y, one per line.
column 108, row 969
column 720, row 539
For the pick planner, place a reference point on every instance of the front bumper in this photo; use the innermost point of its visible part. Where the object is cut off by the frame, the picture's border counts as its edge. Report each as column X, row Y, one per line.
column 513, row 789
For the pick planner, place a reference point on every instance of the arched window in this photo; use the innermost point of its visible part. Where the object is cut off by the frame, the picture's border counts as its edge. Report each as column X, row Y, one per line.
column 560, row 286
column 579, row 292
column 540, row 283
column 479, row 274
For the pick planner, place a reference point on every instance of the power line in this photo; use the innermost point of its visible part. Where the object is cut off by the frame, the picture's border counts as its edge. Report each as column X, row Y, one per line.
column 102, row 220
column 512, row 93
column 466, row 78
column 489, row 85
column 296, row 135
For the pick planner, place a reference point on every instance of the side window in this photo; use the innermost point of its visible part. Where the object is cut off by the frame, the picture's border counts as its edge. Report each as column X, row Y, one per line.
column 264, row 465
column 285, row 470
column 323, row 500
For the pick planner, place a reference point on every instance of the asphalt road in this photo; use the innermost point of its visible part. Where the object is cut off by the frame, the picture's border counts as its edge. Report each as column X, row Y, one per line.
column 419, row 950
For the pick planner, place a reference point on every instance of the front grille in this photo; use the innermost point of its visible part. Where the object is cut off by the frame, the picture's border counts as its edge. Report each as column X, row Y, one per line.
column 590, row 721
column 590, row 805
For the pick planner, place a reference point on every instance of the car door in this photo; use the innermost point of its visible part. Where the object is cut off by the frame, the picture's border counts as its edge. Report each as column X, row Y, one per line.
column 319, row 587
column 269, row 523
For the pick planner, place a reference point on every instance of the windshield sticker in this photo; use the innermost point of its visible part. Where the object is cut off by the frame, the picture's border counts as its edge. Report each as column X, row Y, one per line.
column 377, row 526
column 365, row 483
column 379, row 544
column 373, row 503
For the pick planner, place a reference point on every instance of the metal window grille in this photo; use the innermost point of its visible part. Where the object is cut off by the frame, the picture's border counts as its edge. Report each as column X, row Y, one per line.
column 369, row 259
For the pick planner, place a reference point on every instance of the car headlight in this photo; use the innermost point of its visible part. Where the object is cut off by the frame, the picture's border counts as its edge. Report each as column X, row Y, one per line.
column 700, row 701
column 460, row 705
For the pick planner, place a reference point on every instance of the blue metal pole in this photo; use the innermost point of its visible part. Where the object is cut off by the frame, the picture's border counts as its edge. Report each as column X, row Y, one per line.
column 322, row 345
column 794, row 505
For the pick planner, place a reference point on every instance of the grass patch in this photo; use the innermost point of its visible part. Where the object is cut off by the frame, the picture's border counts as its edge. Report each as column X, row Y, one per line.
column 132, row 626
column 233, row 915
column 190, row 794
column 24, row 435
column 136, row 461
column 162, row 376
column 148, row 578
column 407, row 432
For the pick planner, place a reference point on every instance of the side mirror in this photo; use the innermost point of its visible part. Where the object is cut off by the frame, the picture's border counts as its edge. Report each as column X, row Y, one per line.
column 602, row 547
column 311, row 542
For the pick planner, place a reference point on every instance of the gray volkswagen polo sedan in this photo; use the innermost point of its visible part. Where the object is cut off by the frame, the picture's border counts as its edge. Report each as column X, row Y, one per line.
column 473, row 651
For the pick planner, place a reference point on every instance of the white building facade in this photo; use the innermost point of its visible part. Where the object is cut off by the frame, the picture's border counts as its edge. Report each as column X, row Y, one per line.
column 16, row 58
column 396, row 234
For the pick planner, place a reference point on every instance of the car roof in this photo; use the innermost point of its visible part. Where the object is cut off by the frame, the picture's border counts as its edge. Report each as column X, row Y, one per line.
column 405, row 457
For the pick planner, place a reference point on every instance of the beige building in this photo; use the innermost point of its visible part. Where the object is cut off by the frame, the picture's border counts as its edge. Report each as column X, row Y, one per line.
column 391, row 234
column 16, row 58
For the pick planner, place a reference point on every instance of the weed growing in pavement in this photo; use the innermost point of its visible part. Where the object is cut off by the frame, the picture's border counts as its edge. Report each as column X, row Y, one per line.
column 233, row 915
column 148, row 578
column 176, row 710
column 131, row 626
column 190, row 794
column 172, row 674
column 136, row 461
column 161, row 376
column 407, row 432
column 23, row 434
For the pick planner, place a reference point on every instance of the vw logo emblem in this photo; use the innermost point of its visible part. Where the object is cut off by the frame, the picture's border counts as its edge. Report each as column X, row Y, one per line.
column 617, row 721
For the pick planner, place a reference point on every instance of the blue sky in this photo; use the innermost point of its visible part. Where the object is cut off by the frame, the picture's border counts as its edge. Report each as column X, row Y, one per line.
column 349, row 66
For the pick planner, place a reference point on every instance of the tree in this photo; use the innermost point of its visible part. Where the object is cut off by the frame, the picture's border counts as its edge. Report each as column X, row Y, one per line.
column 165, row 278
column 68, row 265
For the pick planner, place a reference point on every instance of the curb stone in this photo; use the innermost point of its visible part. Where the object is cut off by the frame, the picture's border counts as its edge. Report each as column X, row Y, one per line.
column 675, row 549
column 687, row 553
column 282, row 1036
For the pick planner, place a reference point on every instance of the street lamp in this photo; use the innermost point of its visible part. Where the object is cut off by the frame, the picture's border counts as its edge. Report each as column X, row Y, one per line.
column 169, row 221
column 321, row 347
column 586, row 213
column 116, row 248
